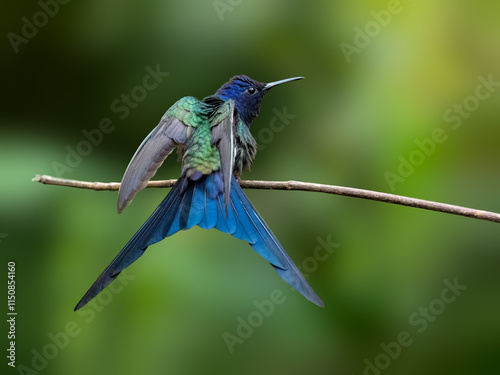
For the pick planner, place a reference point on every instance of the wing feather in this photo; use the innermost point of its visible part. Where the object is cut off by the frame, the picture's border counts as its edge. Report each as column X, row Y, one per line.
column 171, row 132
column 223, row 138
column 149, row 157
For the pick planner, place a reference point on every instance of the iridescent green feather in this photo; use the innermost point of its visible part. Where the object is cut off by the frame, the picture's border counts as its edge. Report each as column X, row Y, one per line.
column 198, row 154
column 189, row 110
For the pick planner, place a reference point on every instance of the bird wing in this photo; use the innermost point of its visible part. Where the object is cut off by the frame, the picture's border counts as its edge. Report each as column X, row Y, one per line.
column 223, row 137
column 172, row 131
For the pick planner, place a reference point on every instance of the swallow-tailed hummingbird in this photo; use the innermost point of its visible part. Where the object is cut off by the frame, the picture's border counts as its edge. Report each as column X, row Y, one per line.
column 215, row 145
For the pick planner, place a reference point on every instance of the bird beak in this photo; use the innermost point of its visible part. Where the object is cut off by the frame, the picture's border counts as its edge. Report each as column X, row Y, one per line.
column 276, row 83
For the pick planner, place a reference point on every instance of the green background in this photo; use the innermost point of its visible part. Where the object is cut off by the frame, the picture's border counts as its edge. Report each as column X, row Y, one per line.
column 355, row 121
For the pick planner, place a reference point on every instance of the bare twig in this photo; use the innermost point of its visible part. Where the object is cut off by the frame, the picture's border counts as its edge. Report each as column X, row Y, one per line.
column 303, row 186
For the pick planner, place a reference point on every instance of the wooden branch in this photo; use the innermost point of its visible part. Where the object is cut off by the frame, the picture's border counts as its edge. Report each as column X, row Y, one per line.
column 303, row 186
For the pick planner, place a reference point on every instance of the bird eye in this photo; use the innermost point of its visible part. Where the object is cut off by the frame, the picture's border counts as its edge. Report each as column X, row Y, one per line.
column 251, row 90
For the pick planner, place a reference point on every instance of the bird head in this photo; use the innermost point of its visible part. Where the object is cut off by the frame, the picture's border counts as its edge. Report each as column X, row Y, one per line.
column 247, row 94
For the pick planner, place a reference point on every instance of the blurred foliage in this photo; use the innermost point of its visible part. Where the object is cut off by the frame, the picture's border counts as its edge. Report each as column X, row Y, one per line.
column 354, row 122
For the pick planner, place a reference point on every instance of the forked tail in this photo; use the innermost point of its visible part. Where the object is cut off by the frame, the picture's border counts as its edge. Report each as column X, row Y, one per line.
column 201, row 203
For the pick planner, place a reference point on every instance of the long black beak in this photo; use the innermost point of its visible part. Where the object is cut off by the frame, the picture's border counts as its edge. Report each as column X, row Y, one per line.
column 276, row 83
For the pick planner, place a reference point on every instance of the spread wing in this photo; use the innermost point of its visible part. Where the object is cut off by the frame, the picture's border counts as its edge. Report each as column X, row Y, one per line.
column 172, row 131
column 223, row 137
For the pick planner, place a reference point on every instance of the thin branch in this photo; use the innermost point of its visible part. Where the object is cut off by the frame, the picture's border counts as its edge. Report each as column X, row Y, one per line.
column 303, row 186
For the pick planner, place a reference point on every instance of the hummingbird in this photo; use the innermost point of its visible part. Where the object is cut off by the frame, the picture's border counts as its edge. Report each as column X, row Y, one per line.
column 215, row 146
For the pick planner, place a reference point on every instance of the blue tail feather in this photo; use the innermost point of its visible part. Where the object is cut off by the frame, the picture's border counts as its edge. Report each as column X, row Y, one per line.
column 268, row 246
column 201, row 203
column 210, row 215
column 152, row 231
column 222, row 220
column 185, row 207
column 197, row 211
column 244, row 230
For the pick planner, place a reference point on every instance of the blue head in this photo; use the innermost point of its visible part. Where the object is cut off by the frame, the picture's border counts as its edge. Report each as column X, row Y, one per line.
column 247, row 94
